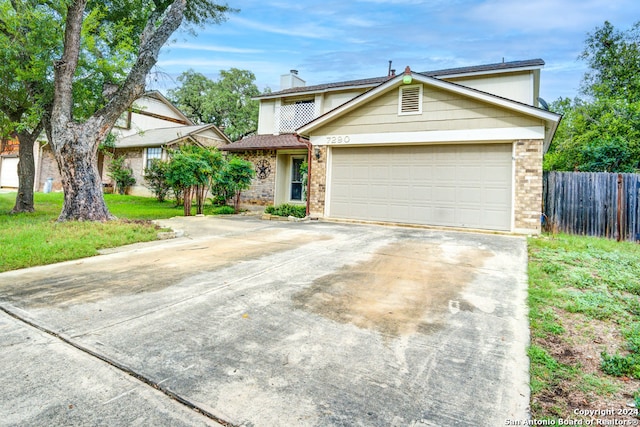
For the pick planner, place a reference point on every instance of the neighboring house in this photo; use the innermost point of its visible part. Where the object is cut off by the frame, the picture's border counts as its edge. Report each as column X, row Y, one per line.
column 458, row 147
column 9, row 162
column 145, row 132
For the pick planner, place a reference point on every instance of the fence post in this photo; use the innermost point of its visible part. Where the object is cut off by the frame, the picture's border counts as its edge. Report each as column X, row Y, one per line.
column 619, row 209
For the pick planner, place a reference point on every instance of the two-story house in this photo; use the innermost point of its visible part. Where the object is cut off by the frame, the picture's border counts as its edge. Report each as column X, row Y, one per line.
column 146, row 131
column 458, row 147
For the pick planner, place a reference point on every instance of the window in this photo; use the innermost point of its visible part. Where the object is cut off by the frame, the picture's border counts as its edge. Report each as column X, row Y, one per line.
column 153, row 153
column 410, row 101
column 296, row 179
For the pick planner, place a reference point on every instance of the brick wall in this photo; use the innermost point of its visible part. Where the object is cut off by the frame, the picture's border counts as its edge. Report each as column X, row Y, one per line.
column 528, row 186
column 262, row 191
column 318, row 181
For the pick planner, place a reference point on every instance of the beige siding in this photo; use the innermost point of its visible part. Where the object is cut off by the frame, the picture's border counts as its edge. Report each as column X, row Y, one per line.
column 141, row 122
column 266, row 117
column 333, row 99
column 516, row 86
column 441, row 111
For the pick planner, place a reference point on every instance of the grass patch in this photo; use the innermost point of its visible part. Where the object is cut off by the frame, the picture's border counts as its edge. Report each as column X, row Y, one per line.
column 31, row 239
column 585, row 337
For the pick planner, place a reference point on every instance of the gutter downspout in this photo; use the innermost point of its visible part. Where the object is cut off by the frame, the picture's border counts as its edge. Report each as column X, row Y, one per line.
column 308, row 144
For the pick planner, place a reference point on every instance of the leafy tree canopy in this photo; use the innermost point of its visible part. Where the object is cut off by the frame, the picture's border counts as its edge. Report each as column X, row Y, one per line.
column 601, row 132
column 226, row 102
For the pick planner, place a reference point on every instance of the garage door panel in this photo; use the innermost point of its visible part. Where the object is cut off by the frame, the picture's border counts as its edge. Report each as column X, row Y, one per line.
column 451, row 185
column 444, row 195
column 469, row 195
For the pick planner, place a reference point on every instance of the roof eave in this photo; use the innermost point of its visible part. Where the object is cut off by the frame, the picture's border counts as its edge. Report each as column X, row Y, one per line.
column 278, row 147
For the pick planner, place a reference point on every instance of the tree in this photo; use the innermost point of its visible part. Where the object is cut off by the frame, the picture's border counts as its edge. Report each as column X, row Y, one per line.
column 94, row 32
column 121, row 173
column 28, row 39
column 236, row 175
column 613, row 57
column 227, row 103
column 156, row 177
column 191, row 170
column 601, row 132
column 192, row 95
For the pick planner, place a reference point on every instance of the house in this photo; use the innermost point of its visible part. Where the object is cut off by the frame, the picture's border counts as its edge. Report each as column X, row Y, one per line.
column 144, row 132
column 9, row 152
column 9, row 162
column 458, row 147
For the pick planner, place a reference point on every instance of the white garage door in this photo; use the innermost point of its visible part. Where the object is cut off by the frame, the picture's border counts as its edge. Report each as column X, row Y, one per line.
column 449, row 185
column 9, row 172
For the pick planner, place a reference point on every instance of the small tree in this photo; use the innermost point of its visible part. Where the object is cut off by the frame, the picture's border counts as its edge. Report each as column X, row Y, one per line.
column 121, row 173
column 237, row 175
column 156, row 177
column 191, row 170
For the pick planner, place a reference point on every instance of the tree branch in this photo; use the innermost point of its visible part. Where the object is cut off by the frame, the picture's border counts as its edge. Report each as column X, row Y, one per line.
column 135, row 82
column 65, row 68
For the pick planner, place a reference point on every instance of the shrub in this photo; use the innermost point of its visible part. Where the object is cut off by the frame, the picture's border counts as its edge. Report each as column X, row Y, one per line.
column 298, row 211
column 156, row 177
column 223, row 210
column 235, row 175
column 121, row 174
column 618, row 365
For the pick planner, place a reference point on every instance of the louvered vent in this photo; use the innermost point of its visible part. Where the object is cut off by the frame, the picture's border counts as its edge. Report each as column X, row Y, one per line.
column 411, row 99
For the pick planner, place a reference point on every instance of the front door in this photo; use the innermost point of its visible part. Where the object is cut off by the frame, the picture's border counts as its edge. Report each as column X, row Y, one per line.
column 296, row 179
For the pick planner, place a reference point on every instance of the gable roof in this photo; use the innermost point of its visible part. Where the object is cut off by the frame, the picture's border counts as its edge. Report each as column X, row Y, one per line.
column 266, row 142
column 166, row 136
column 530, row 64
column 160, row 97
column 551, row 119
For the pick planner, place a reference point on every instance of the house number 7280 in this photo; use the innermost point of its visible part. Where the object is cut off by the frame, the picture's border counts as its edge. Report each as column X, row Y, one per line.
column 338, row 139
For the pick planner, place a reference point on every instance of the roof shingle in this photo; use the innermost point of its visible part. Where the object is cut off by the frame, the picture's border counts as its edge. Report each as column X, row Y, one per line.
column 436, row 73
column 265, row 142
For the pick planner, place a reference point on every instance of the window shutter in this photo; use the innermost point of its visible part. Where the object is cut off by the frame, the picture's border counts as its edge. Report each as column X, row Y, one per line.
column 411, row 99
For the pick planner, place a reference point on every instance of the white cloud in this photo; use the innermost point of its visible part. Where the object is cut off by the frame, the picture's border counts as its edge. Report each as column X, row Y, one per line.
column 547, row 15
column 304, row 30
column 213, row 48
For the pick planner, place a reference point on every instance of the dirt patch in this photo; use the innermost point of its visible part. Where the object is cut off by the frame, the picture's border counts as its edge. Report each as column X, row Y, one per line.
column 403, row 288
column 581, row 346
column 137, row 272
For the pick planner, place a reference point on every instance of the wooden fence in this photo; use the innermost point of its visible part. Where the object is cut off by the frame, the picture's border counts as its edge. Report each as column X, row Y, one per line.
column 594, row 204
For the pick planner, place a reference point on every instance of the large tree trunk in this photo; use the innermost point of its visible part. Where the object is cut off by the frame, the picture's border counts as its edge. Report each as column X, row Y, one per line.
column 26, row 174
column 76, row 153
column 75, row 145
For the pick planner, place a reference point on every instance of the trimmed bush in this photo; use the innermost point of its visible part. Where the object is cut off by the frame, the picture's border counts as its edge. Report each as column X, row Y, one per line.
column 298, row 211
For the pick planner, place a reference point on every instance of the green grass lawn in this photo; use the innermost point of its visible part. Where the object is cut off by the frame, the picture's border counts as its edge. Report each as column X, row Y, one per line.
column 32, row 239
column 584, row 302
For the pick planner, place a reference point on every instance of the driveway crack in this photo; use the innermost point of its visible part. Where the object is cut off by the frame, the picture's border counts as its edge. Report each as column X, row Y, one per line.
column 121, row 367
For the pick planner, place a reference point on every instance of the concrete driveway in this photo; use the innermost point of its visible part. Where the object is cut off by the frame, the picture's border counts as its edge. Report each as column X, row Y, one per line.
column 262, row 323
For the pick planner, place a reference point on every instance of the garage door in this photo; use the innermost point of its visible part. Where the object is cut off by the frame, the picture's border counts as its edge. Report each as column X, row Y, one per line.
column 449, row 185
column 9, row 172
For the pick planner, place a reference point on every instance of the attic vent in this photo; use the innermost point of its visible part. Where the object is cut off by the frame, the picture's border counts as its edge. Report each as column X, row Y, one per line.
column 410, row 100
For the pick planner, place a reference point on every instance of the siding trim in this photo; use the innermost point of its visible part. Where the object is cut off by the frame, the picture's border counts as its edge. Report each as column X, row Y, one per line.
column 470, row 135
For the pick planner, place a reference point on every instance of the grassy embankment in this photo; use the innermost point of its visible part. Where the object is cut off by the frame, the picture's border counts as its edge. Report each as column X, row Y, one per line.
column 584, row 301
column 32, row 239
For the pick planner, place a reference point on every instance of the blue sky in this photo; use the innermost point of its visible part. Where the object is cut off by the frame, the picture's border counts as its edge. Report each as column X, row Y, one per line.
column 332, row 40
